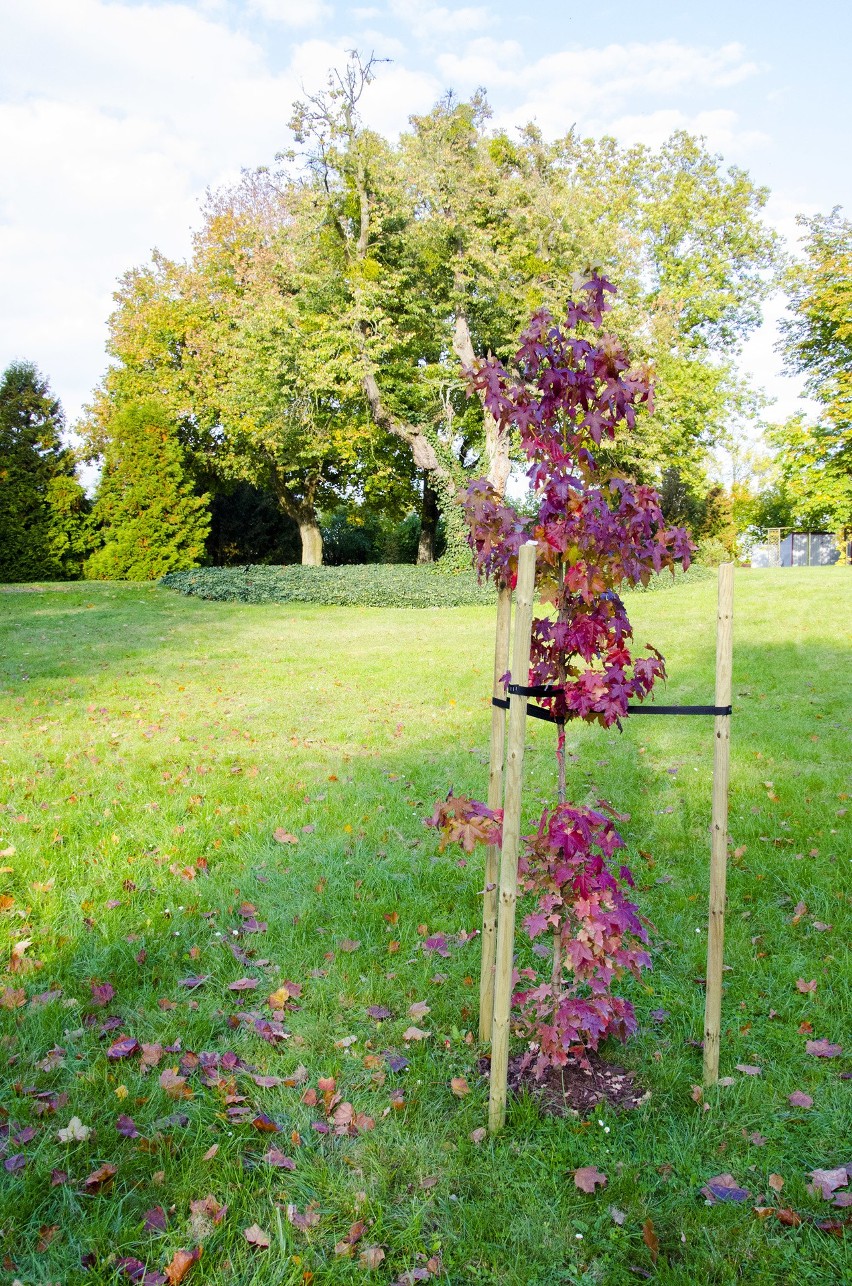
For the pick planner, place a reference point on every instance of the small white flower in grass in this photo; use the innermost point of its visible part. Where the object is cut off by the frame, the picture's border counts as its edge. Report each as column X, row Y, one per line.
column 606, row 1129
column 579, row 1236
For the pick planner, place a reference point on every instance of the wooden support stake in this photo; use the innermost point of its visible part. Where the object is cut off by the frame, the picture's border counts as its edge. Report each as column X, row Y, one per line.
column 508, row 895
column 495, row 800
column 719, row 825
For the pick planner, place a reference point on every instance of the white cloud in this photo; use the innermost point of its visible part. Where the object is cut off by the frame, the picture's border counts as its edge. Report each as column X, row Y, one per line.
column 721, row 128
column 434, row 22
column 595, row 87
column 292, row 13
column 117, row 114
column 116, row 118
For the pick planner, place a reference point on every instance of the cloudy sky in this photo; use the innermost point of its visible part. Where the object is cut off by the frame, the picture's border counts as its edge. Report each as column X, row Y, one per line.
column 115, row 115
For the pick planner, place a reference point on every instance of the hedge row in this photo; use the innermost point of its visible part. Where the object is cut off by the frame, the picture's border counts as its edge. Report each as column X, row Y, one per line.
column 357, row 585
column 370, row 585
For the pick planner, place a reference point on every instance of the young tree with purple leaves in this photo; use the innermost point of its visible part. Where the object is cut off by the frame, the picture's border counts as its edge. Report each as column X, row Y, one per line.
column 571, row 388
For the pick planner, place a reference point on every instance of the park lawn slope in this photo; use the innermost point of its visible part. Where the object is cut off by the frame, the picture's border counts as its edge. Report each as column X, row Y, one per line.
column 197, row 795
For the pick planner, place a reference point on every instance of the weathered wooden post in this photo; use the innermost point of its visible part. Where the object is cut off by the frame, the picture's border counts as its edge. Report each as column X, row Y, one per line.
column 495, row 800
column 719, row 824
column 508, row 889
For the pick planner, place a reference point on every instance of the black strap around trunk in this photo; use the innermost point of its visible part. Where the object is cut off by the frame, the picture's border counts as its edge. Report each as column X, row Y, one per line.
column 547, row 690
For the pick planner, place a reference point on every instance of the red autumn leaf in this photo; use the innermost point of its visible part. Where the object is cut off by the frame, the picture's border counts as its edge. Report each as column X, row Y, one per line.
column 379, row 1012
column 800, row 1099
column 825, row 1181
column 823, row 1049
column 724, row 1187
column 154, row 1220
column 151, row 1055
column 588, row 1177
column 268, row 1082
column 127, row 1126
column 180, row 1265
column 174, row 1085
column 805, row 987
column 265, row 1124
column 309, row 1219
column 371, row 1256
column 100, row 1178
column 276, row 1158
column 348, row 944
column 748, row 1069
column 243, row 984
column 284, row 837
column 459, row 1086
column 788, row 1217
column 102, row 992
column 123, row 1047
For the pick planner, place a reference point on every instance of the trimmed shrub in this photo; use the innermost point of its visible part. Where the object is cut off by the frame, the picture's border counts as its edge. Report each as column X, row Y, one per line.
column 373, row 585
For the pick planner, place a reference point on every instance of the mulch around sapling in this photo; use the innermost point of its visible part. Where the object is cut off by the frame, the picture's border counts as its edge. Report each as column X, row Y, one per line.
column 572, row 1089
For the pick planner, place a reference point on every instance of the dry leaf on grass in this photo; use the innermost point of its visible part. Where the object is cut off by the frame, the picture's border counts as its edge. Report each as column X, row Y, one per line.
column 651, row 1239
column 180, row 1265
column 588, row 1177
column 371, row 1256
column 255, row 1236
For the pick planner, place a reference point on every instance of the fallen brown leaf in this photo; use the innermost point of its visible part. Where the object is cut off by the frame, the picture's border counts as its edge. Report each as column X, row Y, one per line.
column 180, row 1265
column 651, row 1239
column 255, row 1236
column 588, row 1177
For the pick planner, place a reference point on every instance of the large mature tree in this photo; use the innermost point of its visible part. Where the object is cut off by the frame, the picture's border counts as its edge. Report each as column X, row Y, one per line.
column 816, row 458
column 241, row 346
column 316, row 341
column 149, row 519
column 43, row 508
column 441, row 245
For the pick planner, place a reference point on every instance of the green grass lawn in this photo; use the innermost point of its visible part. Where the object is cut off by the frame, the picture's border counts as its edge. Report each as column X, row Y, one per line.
column 150, row 747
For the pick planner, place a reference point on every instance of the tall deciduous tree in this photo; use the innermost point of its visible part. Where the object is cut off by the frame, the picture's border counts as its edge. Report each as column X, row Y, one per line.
column 43, row 509
column 444, row 242
column 816, row 459
column 316, row 342
column 149, row 518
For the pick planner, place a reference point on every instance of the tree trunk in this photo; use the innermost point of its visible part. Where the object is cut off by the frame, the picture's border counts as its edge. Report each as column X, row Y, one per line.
column 496, row 439
column 429, row 514
column 301, row 509
column 311, row 542
column 443, row 475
